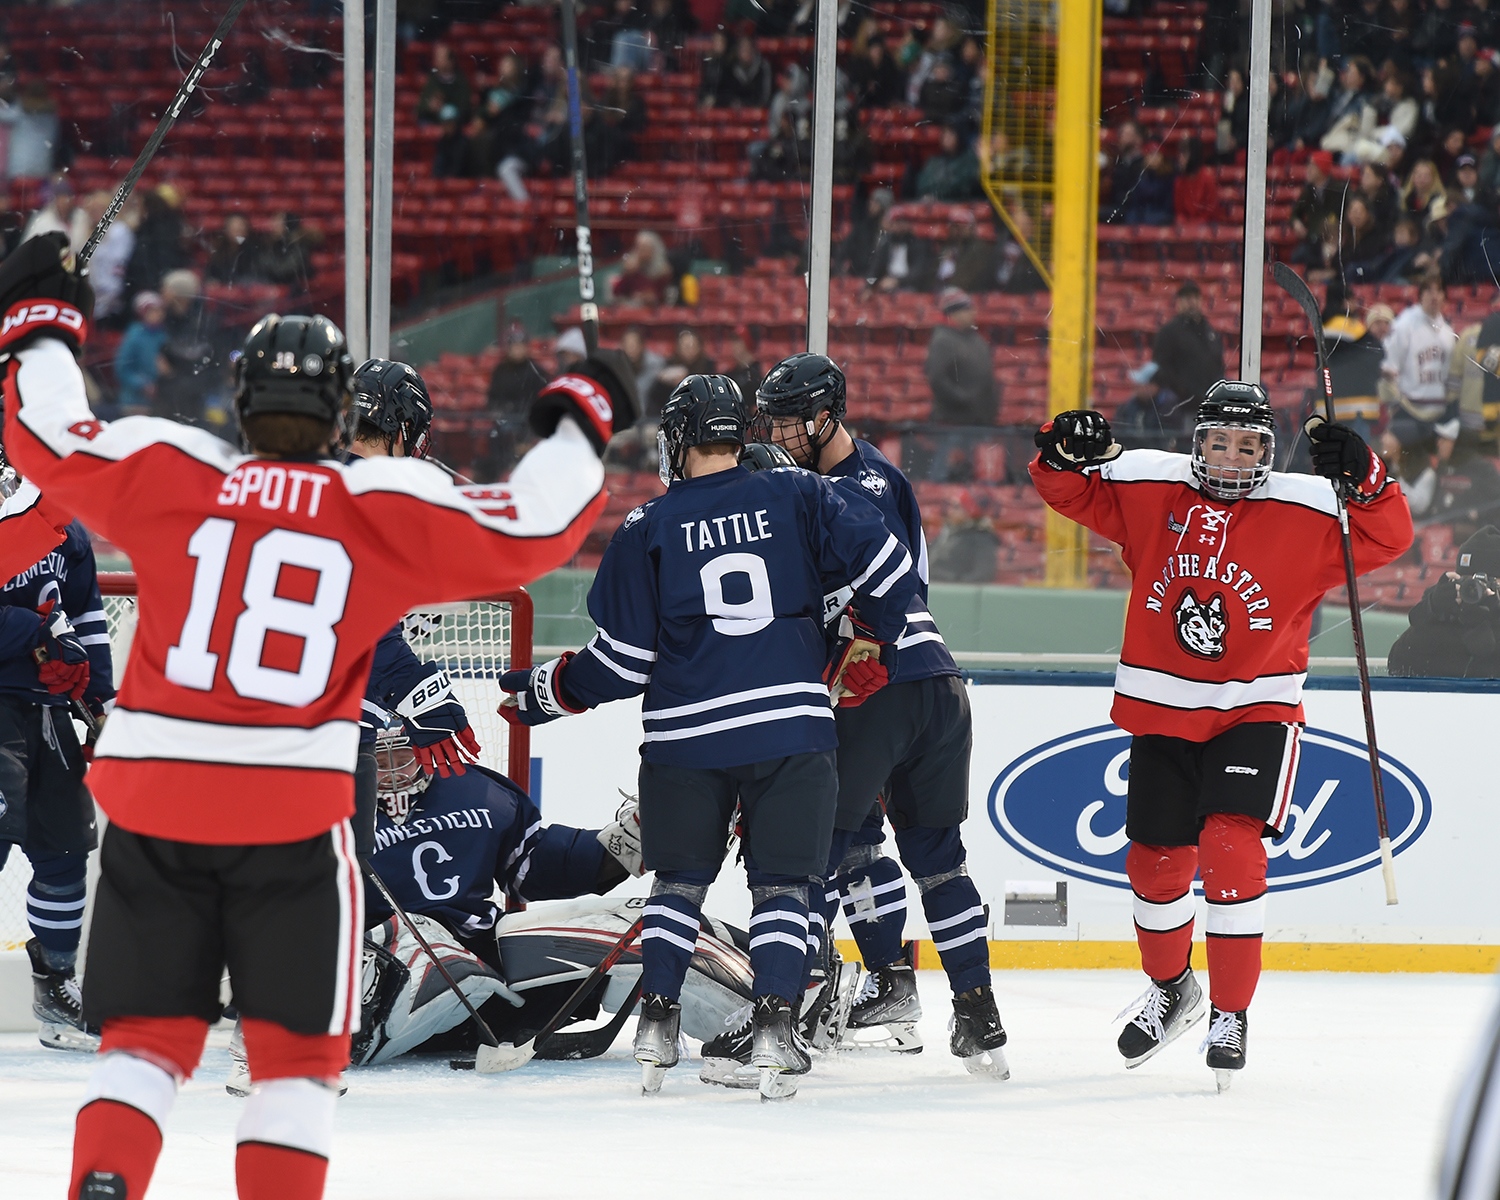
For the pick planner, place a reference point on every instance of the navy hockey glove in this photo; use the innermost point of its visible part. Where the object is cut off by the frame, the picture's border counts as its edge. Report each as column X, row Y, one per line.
column 594, row 394
column 1340, row 454
column 538, row 694
column 39, row 297
column 1073, row 440
column 62, row 664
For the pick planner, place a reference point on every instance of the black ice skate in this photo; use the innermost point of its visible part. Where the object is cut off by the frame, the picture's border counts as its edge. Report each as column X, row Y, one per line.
column 726, row 1058
column 890, row 999
column 1225, row 1043
column 656, row 1040
column 57, row 1004
column 826, row 1007
column 776, row 1050
column 102, row 1185
column 977, row 1035
column 1163, row 1014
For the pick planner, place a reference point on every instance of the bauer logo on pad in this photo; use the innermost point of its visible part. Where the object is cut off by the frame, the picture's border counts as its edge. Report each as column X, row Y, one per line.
column 1063, row 804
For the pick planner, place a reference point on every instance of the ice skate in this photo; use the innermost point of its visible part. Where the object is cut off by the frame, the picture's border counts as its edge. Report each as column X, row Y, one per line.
column 57, row 1004
column 977, row 1035
column 776, row 1049
column 826, row 1011
column 726, row 1058
column 1166, row 1010
column 1225, row 1043
column 656, row 1040
column 889, row 999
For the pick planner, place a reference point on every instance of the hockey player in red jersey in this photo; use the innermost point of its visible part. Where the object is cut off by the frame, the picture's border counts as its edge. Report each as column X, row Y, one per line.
column 226, row 768
column 1230, row 561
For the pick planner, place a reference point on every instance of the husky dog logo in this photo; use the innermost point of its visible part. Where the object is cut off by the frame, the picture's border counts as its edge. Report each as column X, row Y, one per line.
column 1201, row 626
column 872, row 482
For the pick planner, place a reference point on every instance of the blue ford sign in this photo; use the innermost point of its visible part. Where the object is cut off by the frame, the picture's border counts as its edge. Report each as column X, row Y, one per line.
column 1063, row 804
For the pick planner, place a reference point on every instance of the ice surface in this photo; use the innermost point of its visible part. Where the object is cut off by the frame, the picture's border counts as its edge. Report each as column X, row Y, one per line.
column 1347, row 1086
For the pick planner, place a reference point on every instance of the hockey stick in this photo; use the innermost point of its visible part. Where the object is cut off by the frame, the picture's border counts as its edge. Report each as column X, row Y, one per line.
column 591, row 1043
column 491, row 1042
column 492, row 1059
column 588, row 309
column 168, row 119
column 1296, row 287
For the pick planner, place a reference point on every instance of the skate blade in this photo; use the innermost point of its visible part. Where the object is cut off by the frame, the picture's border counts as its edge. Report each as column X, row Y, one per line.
column 239, row 1093
column 988, row 1064
column 899, row 1038
column 55, row 1035
column 651, row 1078
column 776, row 1084
column 1223, row 1079
column 730, row 1073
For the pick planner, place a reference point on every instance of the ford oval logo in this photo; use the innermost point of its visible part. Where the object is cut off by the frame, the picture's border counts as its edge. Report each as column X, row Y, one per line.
column 1063, row 804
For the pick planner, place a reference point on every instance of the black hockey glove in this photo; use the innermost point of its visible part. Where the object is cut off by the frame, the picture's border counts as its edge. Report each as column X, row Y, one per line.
column 599, row 393
column 539, row 696
column 1340, row 454
column 1074, row 440
column 39, row 297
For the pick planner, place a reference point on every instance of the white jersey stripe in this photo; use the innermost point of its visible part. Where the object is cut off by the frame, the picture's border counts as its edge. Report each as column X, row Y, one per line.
column 625, row 647
column 890, row 579
column 780, row 714
column 790, row 939
column 1159, row 687
column 632, row 676
column 733, row 698
column 670, row 938
column 913, row 639
column 885, row 552
column 331, row 746
column 948, row 922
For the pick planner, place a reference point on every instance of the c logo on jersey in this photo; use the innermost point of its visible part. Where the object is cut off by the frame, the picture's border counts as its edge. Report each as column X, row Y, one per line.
column 421, row 875
column 1063, row 805
column 1201, row 627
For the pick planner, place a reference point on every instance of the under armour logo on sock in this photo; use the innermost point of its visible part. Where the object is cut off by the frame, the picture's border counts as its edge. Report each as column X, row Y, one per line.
column 1229, row 894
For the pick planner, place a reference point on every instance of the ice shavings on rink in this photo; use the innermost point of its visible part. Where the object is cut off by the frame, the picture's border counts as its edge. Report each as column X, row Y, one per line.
column 1348, row 1083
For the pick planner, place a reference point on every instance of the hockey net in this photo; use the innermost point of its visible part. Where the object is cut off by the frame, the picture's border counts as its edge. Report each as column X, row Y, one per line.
column 475, row 642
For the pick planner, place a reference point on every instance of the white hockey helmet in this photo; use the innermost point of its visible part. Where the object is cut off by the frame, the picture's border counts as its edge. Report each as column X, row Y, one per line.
column 399, row 778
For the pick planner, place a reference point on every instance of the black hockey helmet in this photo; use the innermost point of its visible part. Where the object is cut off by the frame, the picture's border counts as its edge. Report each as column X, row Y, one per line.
column 390, row 399
column 1232, row 404
column 298, row 365
column 802, row 385
column 702, row 410
column 765, row 456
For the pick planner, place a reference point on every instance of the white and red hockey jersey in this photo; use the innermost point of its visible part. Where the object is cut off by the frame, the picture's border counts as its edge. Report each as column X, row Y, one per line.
column 264, row 586
column 29, row 530
column 1223, row 593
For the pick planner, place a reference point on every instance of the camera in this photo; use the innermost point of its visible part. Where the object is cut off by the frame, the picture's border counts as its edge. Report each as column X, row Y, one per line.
column 1473, row 589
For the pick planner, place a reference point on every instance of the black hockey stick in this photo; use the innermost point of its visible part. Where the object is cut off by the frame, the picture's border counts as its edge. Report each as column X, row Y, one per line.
column 510, row 1058
column 1296, row 287
column 485, row 1032
column 590, row 1043
column 588, row 308
column 168, row 119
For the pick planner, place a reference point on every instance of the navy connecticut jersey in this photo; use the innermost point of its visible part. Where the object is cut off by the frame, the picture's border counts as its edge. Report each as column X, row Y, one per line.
column 420, row 693
column 920, row 650
column 710, row 599
column 465, row 834
column 68, row 577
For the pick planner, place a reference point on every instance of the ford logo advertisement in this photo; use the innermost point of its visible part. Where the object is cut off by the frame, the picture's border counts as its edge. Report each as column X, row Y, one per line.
column 1063, row 804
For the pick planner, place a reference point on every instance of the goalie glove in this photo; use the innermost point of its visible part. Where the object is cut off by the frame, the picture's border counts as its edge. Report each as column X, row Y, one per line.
column 1074, row 440
column 538, row 694
column 62, row 662
column 439, row 728
column 1341, row 455
column 39, row 297
column 621, row 838
column 447, row 756
column 860, row 666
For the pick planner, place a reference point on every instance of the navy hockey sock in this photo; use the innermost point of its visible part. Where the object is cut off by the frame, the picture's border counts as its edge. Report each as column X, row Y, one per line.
column 669, row 931
column 823, row 906
column 875, row 905
column 54, row 906
column 778, row 933
column 955, row 913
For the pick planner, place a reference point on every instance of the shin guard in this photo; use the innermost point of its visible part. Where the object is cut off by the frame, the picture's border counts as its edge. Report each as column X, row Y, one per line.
column 1162, row 879
column 1233, row 861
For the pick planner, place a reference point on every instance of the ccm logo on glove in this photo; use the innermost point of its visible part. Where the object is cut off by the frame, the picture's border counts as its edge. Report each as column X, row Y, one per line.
column 584, row 389
column 43, row 313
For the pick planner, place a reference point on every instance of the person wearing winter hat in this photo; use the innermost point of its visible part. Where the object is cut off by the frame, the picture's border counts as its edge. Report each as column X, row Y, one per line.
column 959, row 367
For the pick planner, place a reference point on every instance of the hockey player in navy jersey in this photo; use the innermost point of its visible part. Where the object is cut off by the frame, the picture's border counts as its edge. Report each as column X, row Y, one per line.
column 909, row 743
column 54, row 651
column 709, row 599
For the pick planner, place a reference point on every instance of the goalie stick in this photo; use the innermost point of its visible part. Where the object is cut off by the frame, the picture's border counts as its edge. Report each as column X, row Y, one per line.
column 168, row 119
column 588, row 308
column 1296, row 287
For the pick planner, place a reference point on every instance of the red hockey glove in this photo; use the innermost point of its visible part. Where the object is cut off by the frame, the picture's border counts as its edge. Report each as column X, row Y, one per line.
column 538, row 693
column 39, row 297
column 447, row 757
column 860, row 667
column 1074, row 440
column 62, row 662
column 594, row 394
column 1340, row 454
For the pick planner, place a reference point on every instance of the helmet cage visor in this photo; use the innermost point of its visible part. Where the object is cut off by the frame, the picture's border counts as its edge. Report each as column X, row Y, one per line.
column 399, row 777
column 1222, row 480
column 799, row 434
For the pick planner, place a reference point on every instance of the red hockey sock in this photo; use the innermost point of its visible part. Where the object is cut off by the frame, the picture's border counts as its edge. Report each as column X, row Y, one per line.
column 1234, row 884
column 266, row 1172
column 1162, row 879
column 116, row 1138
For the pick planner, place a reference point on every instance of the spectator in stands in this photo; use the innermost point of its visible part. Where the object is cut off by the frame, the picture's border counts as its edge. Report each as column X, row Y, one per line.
column 687, row 359
column 618, row 116
column 1378, row 320
column 852, row 255
column 1195, row 192
column 1125, row 174
column 1436, row 33
column 713, row 68
column 646, row 276
column 56, row 212
column 1154, row 200
column 287, row 256
column 1352, row 113
column 901, row 261
column 1355, row 355
column 1466, row 180
column 1284, row 95
column 1446, row 103
column 744, row 367
column 667, row 27
column 35, row 143
column 138, row 361
column 1376, row 186
column 793, row 97
column 959, row 367
column 1014, row 271
column 1421, row 186
column 1188, row 351
column 944, row 94
column 1364, row 243
column 1321, row 197
column 1453, row 147
column 107, row 268
column 236, row 252
column 446, row 85
column 514, row 384
column 785, row 155
column 952, row 173
column 159, row 242
column 1484, row 87
column 942, row 43
column 1234, row 122
column 452, row 152
column 1399, row 264
column 1416, row 360
column 1489, row 163
column 618, row 38
column 965, row 261
column 644, row 361
column 747, row 83
column 1400, row 112
column 187, row 377
column 966, row 549
column 1364, row 32
column 570, row 348
column 1309, row 113
column 874, row 76
column 1455, row 627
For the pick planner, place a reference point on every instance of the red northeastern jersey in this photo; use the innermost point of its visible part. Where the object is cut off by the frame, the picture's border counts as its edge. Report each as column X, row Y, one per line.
column 264, row 586
column 28, row 530
column 1223, row 593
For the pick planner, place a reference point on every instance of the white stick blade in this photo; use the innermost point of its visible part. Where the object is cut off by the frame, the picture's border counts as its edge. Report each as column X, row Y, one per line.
column 492, row 1060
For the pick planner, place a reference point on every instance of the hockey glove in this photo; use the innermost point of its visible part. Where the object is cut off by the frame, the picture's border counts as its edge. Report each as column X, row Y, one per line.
column 621, row 838
column 1074, row 440
column 446, row 757
column 594, row 394
column 62, row 662
column 1340, row 454
column 39, row 297
column 539, row 695
column 861, row 665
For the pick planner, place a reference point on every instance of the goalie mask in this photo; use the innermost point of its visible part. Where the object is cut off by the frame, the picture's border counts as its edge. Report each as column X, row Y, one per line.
column 788, row 402
column 1234, row 441
column 399, row 778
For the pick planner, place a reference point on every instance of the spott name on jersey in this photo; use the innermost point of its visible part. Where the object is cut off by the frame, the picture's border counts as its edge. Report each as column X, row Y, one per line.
column 704, row 530
column 274, row 486
column 1194, row 566
column 468, row 818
